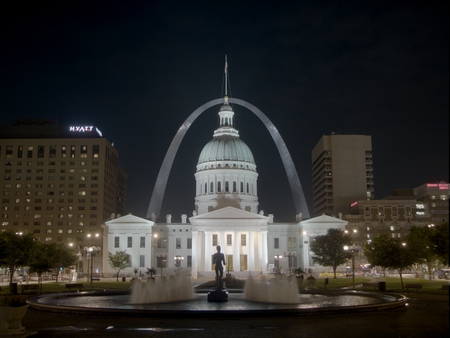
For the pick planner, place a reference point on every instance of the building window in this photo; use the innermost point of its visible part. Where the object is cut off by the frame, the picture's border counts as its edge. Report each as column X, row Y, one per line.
column 380, row 211
column 142, row 261
column 242, row 187
column 40, row 151
column 276, row 243
column 243, row 240
column 292, row 242
column 129, row 242
column 394, row 211
column 227, row 186
column 214, row 240
column 162, row 243
column 116, row 242
column 161, row 261
column 219, row 186
column 229, row 240
column 178, row 243
column 189, row 243
column 189, row 261
column 211, row 187
column 142, row 245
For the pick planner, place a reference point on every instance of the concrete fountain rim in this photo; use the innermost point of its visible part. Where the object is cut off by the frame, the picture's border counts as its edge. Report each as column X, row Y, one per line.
column 397, row 301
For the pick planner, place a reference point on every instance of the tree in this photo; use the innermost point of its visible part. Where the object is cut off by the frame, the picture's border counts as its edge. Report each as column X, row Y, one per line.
column 64, row 257
column 15, row 251
column 119, row 261
column 378, row 252
column 42, row 258
column 421, row 245
column 329, row 250
column 387, row 252
column 402, row 256
column 439, row 238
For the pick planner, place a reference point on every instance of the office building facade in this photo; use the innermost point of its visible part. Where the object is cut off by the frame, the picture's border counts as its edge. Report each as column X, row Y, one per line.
column 59, row 183
column 342, row 170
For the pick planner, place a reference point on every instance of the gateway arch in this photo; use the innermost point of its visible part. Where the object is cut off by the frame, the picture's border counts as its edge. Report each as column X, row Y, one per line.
column 298, row 196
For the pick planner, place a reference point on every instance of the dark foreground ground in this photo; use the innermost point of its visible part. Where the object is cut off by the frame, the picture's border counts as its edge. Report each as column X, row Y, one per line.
column 426, row 316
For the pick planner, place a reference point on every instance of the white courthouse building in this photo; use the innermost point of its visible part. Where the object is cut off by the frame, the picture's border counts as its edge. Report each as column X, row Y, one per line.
column 226, row 214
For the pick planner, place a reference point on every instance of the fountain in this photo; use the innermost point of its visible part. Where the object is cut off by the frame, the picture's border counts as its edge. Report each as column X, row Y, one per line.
column 281, row 289
column 175, row 297
column 163, row 290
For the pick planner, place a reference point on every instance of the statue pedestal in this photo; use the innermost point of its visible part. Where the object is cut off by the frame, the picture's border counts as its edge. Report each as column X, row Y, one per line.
column 218, row 296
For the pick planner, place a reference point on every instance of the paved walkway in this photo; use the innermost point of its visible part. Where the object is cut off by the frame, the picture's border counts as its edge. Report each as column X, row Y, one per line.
column 426, row 316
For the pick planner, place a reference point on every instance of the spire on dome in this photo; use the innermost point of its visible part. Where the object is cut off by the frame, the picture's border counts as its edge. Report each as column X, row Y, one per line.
column 226, row 77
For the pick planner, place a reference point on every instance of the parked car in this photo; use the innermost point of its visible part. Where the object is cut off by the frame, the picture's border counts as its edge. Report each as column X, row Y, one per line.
column 443, row 274
column 60, row 277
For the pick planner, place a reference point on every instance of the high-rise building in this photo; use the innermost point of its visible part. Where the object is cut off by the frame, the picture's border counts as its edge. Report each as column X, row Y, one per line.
column 59, row 183
column 434, row 197
column 342, row 172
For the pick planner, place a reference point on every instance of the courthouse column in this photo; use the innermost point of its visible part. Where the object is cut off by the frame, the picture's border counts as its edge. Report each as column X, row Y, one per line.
column 194, row 253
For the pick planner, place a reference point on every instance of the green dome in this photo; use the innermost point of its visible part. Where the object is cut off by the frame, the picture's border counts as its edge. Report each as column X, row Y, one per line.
column 226, row 148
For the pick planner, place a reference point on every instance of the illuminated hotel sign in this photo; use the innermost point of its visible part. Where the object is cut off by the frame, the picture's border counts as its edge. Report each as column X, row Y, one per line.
column 440, row 186
column 84, row 129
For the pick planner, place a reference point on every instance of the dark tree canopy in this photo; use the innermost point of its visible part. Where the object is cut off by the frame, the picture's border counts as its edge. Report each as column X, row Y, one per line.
column 15, row 250
column 439, row 238
column 379, row 252
column 118, row 261
column 329, row 250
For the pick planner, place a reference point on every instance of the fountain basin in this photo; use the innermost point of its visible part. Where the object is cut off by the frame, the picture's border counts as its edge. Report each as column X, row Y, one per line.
column 311, row 302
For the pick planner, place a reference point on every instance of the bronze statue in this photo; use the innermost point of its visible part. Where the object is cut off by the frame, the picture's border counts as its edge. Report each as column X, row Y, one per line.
column 218, row 258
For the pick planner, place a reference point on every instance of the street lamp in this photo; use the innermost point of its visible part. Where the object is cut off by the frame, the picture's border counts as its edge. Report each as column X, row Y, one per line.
column 277, row 262
column 178, row 260
column 163, row 260
column 290, row 255
column 353, row 249
column 90, row 252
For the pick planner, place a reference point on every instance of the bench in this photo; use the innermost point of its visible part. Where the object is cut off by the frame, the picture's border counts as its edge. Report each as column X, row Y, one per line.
column 416, row 286
column 370, row 285
column 445, row 287
column 71, row 286
column 95, row 279
column 28, row 287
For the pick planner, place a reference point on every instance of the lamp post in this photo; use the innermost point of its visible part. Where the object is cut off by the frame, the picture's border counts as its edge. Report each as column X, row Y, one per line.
column 163, row 259
column 178, row 260
column 353, row 249
column 290, row 255
column 90, row 253
column 277, row 262
column 155, row 242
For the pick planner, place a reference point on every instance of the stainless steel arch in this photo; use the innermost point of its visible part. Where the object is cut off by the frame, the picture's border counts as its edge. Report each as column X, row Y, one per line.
column 289, row 167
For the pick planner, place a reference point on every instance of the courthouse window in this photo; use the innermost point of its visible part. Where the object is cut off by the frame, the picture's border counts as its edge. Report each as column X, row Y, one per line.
column 292, row 242
column 243, row 240
column 276, row 243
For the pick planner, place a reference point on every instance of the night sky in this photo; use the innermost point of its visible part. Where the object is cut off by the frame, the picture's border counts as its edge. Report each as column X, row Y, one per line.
column 137, row 71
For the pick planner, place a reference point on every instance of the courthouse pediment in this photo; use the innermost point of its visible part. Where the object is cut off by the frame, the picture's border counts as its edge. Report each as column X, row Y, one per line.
column 229, row 216
column 129, row 222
